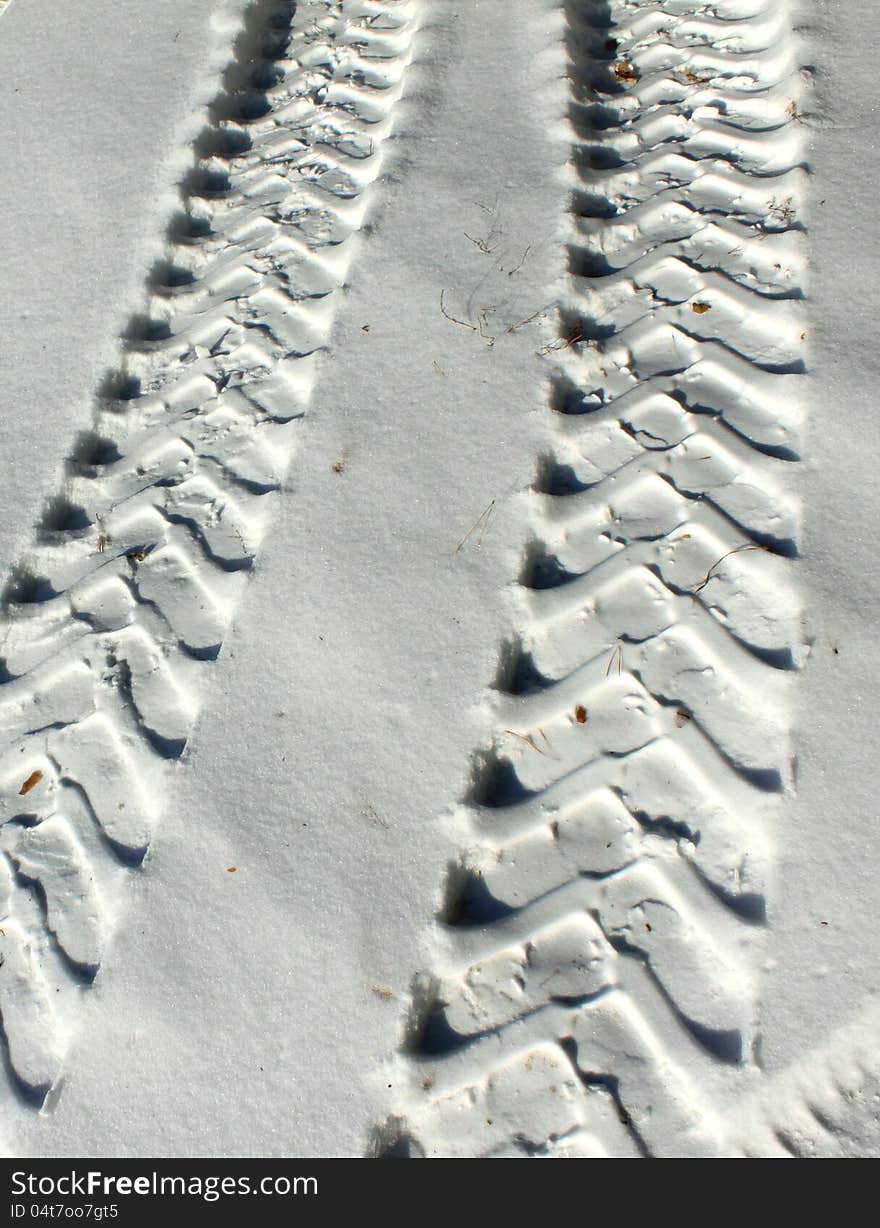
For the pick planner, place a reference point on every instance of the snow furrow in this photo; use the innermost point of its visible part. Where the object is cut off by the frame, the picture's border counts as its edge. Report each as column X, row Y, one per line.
column 140, row 558
column 594, row 987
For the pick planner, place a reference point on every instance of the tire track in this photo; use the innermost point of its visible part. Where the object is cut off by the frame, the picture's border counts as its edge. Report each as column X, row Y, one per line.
column 823, row 1105
column 140, row 558
column 594, row 988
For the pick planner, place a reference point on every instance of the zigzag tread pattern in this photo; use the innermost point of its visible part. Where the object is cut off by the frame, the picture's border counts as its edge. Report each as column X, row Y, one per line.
column 140, row 558
column 594, row 987
column 820, row 1106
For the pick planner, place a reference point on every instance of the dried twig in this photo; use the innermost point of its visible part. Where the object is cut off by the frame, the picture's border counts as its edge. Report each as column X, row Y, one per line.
column 482, row 244
column 562, row 343
column 484, row 313
column 691, row 77
column 455, row 319
column 527, row 320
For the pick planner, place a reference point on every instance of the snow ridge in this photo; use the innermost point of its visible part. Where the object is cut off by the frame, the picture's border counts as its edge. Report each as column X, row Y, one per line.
column 595, row 982
column 140, row 559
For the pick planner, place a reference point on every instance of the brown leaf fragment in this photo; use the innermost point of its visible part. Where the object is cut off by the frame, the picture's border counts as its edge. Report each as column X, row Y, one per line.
column 580, row 714
column 700, row 309
column 32, row 780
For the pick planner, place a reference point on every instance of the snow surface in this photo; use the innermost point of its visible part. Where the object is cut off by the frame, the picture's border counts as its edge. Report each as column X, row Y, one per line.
column 94, row 142
column 262, row 1011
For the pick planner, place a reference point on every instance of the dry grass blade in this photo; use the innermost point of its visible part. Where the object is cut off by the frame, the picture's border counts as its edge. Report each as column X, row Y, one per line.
column 616, row 652
column 523, row 258
column 710, row 573
column 528, row 740
column 480, row 523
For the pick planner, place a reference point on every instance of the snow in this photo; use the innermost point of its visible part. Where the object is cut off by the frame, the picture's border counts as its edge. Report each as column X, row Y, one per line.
column 258, row 969
column 827, row 974
column 93, row 145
